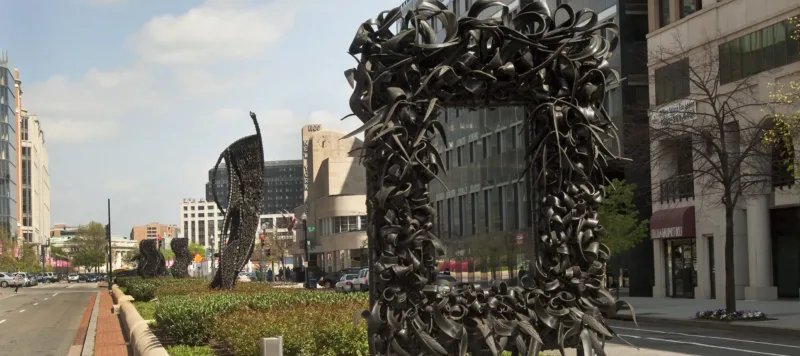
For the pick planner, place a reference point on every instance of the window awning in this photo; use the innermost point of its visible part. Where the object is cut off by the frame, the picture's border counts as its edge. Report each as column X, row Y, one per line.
column 670, row 223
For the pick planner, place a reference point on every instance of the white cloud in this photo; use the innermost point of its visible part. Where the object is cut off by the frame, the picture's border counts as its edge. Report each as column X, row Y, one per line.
column 216, row 31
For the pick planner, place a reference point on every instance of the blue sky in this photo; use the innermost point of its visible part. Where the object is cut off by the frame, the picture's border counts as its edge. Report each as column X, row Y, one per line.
column 138, row 97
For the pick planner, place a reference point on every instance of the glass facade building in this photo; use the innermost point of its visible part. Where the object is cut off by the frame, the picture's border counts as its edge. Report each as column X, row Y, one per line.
column 8, row 149
column 283, row 186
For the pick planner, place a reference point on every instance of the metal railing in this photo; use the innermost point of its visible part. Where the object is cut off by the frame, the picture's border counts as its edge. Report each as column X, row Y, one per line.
column 677, row 188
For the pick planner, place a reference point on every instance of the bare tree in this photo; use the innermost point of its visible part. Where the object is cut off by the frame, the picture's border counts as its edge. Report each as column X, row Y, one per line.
column 706, row 136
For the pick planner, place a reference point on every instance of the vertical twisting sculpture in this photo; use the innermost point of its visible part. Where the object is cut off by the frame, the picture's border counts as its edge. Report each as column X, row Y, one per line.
column 244, row 160
column 559, row 73
column 180, row 268
column 151, row 262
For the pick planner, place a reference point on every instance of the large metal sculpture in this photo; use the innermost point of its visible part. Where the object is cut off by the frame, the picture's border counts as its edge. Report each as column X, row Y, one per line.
column 180, row 268
column 150, row 262
column 559, row 73
column 244, row 160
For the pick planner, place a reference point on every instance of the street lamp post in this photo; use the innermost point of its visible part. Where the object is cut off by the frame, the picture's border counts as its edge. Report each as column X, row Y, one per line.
column 305, row 245
column 44, row 258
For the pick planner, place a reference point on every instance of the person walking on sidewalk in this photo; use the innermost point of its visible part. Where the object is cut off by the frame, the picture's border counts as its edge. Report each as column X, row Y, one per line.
column 17, row 281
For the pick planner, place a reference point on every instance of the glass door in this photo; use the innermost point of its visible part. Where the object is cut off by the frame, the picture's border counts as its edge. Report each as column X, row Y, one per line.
column 682, row 272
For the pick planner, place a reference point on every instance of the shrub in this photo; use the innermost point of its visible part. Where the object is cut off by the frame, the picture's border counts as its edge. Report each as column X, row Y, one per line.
column 183, row 350
column 191, row 319
column 315, row 329
column 723, row 315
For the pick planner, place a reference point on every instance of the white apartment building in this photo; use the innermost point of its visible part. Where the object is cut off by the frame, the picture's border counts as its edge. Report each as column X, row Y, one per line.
column 335, row 206
column 748, row 39
column 35, row 181
column 201, row 221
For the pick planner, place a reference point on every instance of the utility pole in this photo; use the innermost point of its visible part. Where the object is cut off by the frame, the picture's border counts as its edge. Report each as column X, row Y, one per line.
column 108, row 236
column 305, row 245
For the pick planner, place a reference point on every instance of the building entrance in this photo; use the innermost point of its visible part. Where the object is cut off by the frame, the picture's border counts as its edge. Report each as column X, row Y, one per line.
column 681, row 266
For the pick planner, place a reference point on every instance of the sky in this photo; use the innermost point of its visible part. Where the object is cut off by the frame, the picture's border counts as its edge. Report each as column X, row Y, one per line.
column 137, row 98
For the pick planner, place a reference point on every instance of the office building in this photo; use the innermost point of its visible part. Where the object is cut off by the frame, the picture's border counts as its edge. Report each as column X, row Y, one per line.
column 745, row 39
column 335, row 205
column 283, row 187
column 201, row 222
column 10, row 91
column 151, row 231
column 35, row 181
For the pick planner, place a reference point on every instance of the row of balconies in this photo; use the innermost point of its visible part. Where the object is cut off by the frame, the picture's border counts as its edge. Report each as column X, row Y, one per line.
column 681, row 186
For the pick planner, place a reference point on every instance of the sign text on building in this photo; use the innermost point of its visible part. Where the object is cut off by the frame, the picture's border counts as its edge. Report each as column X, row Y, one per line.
column 677, row 112
column 667, row 232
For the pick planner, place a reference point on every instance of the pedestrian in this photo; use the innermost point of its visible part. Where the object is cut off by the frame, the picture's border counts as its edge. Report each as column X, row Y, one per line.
column 447, row 271
column 17, row 282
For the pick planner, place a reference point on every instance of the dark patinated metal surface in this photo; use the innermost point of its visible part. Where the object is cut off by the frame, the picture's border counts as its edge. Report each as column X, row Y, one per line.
column 180, row 268
column 244, row 160
column 559, row 72
column 150, row 262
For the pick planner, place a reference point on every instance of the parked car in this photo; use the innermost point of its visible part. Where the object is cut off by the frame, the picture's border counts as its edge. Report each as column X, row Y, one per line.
column 361, row 283
column 7, row 280
column 345, row 284
column 444, row 281
column 26, row 279
column 244, row 277
column 329, row 280
column 91, row 278
column 51, row 277
column 73, row 277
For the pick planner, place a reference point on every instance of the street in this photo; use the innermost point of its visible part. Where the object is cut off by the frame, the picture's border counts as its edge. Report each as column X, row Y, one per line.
column 42, row 320
column 702, row 341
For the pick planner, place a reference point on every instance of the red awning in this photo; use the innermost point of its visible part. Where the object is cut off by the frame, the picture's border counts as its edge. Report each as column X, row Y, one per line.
column 669, row 223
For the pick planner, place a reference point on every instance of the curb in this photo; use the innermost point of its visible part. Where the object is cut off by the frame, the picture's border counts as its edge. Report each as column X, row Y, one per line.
column 88, row 343
column 750, row 327
column 141, row 339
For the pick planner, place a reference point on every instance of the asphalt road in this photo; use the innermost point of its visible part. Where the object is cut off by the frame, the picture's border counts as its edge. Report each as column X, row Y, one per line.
column 705, row 342
column 42, row 320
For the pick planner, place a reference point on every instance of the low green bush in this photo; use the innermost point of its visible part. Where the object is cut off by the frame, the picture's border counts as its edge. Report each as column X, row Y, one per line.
column 191, row 319
column 315, row 329
column 183, row 350
column 146, row 309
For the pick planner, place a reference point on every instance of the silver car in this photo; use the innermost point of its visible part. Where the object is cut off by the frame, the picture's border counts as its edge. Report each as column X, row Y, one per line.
column 345, row 284
column 25, row 280
column 7, row 280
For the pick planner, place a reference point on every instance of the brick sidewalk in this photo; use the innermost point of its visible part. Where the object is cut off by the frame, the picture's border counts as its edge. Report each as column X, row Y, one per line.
column 108, row 339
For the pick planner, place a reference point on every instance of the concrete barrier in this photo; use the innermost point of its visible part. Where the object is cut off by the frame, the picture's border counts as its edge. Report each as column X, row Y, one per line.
column 142, row 340
column 118, row 295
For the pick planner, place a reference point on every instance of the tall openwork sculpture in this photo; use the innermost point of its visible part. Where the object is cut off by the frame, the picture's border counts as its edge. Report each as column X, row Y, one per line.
column 244, row 160
column 180, row 268
column 151, row 262
column 559, row 73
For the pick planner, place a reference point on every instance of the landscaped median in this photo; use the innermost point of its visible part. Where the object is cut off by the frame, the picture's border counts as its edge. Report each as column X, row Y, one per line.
column 191, row 319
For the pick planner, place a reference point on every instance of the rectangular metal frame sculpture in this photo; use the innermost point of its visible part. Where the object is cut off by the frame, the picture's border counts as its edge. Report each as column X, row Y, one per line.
column 559, row 72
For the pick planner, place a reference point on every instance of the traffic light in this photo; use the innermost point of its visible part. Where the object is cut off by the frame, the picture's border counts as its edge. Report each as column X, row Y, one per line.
column 262, row 239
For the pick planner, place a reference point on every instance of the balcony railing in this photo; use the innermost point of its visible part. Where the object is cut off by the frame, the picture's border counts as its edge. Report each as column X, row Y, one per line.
column 677, row 188
column 781, row 176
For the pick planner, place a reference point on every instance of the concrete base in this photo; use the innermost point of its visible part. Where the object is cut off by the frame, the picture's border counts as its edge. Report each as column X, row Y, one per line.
column 761, row 293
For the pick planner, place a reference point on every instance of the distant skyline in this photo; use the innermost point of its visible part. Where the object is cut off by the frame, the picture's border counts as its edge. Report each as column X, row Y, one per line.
column 138, row 98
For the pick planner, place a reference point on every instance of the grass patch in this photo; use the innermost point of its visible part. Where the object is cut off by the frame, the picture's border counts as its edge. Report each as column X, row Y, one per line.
column 183, row 350
column 146, row 309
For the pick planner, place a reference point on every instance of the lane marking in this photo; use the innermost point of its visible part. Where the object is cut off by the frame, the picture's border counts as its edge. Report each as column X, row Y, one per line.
column 749, row 352
column 45, row 298
column 2, row 321
column 55, row 294
column 708, row 337
column 35, row 304
column 22, row 310
column 13, row 295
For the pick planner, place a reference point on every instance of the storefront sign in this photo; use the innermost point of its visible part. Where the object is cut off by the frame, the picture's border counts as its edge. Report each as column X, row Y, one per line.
column 677, row 112
column 667, row 232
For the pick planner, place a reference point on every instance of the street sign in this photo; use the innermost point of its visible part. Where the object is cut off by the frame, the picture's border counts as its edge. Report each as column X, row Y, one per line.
column 305, row 264
column 310, row 229
column 308, row 242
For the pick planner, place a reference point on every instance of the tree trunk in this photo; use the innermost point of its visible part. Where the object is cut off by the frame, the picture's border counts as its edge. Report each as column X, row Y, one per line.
column 730, row 281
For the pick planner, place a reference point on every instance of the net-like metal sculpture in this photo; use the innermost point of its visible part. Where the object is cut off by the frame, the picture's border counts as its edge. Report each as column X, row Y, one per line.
column 245, row 168
column 180, row 268
column 559, row 73
column 151, row 262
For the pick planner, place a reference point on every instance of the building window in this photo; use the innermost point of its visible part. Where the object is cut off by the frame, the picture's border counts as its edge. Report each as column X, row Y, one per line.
column 499, row 223
column 672, row 81
column 515, row 212
column 439, row 219
column 472, row 152
column 447, row 160
column 459, row 162
column 766, row 49
column 485, row 142
column 499, row 144
column 486, row 216
column 663, row 13
column 345, row 224
column 449, row 217
column 681, row 184
column 690, row 6
column 461, row 216
column 473, row 207
column 513, row 140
